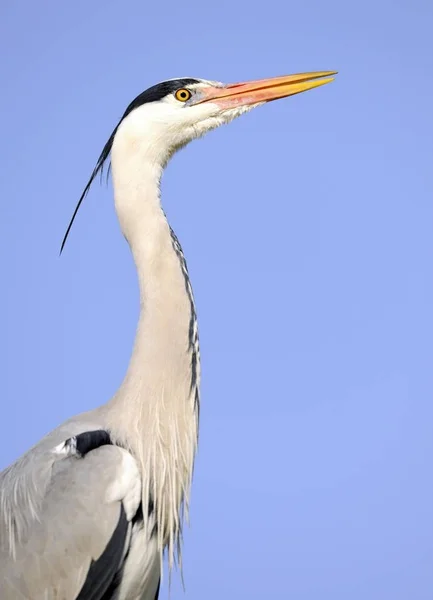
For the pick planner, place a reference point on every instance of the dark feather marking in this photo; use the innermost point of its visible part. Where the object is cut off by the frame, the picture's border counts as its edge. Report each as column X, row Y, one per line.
column 193, row 341
column 153, row 94
column 150, row 507
column 103, row 571
column 197, row 403
column 114, row 585
column 99, row 168
column 139, row 518
column 137, row 521
column 157, row 590
column 90, row 440
column 158, row 92
column 193, row 370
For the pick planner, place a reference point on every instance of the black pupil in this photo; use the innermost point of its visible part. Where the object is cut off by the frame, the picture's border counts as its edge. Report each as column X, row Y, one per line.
column 183, row 94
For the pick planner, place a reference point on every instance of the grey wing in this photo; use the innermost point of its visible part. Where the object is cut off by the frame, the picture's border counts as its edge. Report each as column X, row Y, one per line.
column 75, row 545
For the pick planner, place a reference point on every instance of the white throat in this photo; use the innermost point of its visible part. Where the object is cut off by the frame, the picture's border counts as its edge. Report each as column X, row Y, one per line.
column 155, row 411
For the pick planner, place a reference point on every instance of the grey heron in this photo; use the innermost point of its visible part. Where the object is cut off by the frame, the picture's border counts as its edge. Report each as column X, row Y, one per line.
column 90, row 510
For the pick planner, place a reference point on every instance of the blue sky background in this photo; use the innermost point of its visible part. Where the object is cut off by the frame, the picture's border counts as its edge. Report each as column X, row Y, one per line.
column 308, row 229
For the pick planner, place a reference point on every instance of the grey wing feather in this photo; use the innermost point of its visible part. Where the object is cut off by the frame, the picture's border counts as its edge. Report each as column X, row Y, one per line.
column 61, row 525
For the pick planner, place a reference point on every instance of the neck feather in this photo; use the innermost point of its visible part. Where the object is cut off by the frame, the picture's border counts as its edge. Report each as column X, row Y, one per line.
column 155, row 411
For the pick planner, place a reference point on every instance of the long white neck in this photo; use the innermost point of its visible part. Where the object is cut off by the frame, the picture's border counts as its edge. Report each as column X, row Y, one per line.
column 155, row 411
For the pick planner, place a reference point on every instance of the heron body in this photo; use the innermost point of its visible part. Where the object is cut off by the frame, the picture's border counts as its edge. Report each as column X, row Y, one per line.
column 88, row 512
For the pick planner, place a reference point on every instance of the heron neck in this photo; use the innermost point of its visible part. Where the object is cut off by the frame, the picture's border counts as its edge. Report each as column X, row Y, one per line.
column 155, row 410
column 163, row 361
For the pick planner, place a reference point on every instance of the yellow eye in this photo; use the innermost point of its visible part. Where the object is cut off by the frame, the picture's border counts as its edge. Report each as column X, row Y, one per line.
column 182, row 95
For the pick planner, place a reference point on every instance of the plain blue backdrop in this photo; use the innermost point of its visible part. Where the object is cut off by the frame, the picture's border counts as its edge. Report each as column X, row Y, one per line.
column 308, row 230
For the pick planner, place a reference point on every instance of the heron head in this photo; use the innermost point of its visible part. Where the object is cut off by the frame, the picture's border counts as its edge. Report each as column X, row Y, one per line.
column 168, row 115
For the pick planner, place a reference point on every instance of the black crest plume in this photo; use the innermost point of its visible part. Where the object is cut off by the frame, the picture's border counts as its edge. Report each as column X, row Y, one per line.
column 153, row 94
column 98, row 169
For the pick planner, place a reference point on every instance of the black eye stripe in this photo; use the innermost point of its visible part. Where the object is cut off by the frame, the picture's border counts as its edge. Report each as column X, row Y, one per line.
column 158, row 92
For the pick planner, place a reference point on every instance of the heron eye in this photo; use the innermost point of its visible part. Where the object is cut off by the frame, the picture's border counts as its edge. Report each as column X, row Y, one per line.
column 183, row 95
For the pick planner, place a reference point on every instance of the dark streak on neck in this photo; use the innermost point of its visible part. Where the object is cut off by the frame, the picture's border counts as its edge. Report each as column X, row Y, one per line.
column 193, row 339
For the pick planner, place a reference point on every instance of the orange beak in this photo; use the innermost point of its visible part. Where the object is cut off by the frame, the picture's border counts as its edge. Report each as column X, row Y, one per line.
column 265, row 90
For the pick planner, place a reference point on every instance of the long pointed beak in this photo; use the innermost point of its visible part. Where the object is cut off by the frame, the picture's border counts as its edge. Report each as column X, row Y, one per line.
column 265, row 90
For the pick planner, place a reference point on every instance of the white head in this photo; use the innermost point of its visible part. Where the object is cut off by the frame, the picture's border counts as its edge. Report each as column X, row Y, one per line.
column 170, row 114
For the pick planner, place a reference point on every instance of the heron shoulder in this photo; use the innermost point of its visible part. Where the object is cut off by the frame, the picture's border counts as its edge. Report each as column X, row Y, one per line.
column 71, row 509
